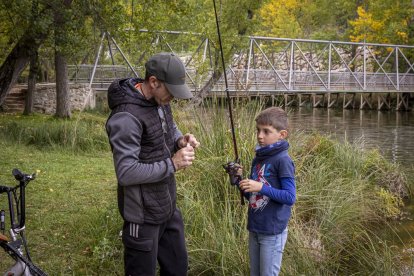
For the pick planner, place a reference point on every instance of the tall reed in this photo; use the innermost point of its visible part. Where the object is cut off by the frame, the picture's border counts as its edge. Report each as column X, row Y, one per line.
column 338, row 208
column 344, row 195
column 84, row 134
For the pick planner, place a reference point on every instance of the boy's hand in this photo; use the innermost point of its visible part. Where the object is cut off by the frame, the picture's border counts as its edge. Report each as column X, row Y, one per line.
column 250, row 186
column 238, row 169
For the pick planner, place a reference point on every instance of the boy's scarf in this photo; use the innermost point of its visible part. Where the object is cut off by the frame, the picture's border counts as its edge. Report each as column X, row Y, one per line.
column 270, row 150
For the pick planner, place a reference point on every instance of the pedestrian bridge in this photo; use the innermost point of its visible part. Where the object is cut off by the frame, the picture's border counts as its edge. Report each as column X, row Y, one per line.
column 298, row 69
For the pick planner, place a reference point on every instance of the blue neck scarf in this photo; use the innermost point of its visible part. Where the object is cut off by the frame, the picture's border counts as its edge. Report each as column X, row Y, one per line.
column 270, row 150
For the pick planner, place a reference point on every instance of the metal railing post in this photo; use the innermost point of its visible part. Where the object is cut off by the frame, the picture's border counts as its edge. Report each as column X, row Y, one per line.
column 365, row 66
column 329, row 65
column 396, row 68
column 292, row 60
column 248, row 62
column 97, row 59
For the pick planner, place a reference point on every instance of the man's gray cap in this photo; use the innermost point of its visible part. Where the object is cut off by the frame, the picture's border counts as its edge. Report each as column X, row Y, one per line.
column 168, row 68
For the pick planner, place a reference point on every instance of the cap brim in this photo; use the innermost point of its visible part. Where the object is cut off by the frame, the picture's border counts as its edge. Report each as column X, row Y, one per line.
column 180, row 91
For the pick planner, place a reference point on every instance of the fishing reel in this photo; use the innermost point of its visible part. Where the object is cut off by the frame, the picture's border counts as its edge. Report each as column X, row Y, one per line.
column 232, row 169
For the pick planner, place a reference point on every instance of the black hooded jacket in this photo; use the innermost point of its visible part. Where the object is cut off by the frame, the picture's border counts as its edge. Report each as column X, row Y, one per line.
column 142, row 149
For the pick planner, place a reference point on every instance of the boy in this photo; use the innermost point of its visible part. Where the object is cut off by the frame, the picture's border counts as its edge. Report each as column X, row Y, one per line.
column 271, row 193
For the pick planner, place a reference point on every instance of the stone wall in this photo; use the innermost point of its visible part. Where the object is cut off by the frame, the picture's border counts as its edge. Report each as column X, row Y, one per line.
column 318, row 60
column 44, row 100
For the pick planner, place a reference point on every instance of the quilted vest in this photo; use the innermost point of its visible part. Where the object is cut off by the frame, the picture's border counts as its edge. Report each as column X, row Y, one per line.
column 150, row 202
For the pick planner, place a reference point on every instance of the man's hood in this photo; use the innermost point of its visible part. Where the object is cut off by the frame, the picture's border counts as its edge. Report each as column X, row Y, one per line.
column 123, row 91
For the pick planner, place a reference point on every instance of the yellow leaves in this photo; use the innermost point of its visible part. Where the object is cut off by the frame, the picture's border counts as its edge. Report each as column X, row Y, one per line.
column 388, row 26
column 362, row 13
column 403, row 36
column 279, row 19
column 365, row 27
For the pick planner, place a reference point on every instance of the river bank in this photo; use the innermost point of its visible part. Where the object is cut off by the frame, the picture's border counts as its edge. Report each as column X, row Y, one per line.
column 391, row 132
column 332, row 231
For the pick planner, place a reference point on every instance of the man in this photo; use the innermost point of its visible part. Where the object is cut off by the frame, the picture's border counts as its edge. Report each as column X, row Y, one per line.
column 147, row 150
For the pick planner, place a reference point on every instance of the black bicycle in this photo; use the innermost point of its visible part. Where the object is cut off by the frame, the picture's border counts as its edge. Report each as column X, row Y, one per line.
column 15, row 244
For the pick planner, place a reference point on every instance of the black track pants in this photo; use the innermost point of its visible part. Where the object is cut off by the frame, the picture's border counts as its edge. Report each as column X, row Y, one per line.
column 146, row 243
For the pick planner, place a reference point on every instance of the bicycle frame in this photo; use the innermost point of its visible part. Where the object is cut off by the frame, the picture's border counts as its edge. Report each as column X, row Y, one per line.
column 16, row 247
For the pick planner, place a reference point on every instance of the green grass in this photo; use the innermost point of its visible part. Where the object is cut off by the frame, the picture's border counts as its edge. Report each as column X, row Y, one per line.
column 71, row 208
column 344, row 196
column 338, row 208
column 83, row 133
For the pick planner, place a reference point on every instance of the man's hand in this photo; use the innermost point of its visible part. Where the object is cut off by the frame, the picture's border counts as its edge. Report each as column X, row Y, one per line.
column 248, row 185
column 184, row 157
column 188, row 139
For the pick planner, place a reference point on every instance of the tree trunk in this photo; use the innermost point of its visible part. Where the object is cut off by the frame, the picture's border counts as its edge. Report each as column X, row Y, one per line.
column 62, row 87
column 411, row 23
column 205, row 90
column 16, row 61
column 62, row 80
column 31, row 84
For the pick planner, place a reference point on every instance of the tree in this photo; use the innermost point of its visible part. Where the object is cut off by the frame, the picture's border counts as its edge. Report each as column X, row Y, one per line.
column 411, row 22
column 365, row 27
column 31, row 84
column 62, row 82
column 280, row 20
column 34, row 62
column 72, row 36
column 237, row 17
column 383, row 22
column 25, row 47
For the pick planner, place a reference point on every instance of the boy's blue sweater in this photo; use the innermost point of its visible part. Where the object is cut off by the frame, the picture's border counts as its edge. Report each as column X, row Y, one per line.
column 270, row 209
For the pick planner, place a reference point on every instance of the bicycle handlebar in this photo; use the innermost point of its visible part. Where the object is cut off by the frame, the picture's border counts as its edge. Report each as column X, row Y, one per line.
column 23, row 179
column 17, row 201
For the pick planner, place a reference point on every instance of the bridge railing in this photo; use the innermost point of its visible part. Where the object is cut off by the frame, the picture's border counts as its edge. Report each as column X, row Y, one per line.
column 299, row 81
column 104, row 73
column 260, row 80
column 269, row 65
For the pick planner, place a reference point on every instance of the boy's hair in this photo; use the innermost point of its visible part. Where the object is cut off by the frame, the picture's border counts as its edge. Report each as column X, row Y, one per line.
column 273, row 116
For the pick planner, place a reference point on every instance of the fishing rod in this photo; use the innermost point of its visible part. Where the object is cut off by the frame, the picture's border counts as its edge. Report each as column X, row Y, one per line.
column 231, row 167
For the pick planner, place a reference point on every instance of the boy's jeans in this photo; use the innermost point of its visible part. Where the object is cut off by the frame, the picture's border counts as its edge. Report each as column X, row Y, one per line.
column 265, row 253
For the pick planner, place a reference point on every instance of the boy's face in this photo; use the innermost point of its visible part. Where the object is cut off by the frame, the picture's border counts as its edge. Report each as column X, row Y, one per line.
column 267, row 135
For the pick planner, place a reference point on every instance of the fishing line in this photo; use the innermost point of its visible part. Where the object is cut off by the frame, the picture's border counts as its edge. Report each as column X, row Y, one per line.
column 227, row 86
column 231, row 167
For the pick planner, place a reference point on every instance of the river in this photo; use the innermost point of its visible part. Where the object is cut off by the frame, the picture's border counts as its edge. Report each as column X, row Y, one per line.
column 391, row 132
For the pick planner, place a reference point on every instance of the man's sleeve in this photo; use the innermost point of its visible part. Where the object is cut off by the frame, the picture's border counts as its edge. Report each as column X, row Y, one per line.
column 177, row 136
column 125, row 133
